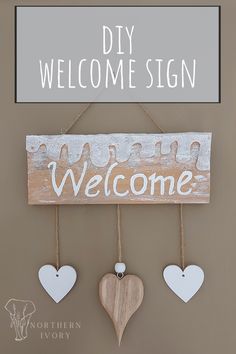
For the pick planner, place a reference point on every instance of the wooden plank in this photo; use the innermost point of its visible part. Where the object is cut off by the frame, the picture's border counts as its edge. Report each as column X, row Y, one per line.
column 119, row 168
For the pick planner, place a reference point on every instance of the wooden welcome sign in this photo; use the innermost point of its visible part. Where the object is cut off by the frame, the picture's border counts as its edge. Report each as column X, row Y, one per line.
column 119, row 168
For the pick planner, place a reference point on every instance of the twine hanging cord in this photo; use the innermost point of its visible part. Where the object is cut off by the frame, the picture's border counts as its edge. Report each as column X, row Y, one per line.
column 182, row 241
column 119, row 246
column 181, row 217
column 57, row 237
column 120, row 274
column 57, row 208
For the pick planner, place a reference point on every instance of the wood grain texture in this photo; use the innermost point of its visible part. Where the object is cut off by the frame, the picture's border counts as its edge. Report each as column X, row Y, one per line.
column 119, row 168
column 121, row 298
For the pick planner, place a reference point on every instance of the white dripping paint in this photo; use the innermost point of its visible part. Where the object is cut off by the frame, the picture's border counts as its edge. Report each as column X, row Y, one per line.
column 99, row 145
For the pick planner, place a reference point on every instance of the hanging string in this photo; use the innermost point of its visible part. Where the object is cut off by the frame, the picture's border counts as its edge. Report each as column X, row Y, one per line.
column 181, row 219
column 182, row 242
column 70, row 126
column 57, row 208
column 119, row 246
column 144, row 109
column 57, row 237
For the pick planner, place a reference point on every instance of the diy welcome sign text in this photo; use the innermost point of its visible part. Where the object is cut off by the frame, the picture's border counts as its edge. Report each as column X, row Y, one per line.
column 119, row 168
column 61, row 73
column 117, row 54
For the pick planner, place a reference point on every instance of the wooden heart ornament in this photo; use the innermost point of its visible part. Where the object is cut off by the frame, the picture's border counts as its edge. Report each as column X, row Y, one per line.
column 184, row 283
column 57, row 283
column 120, row 298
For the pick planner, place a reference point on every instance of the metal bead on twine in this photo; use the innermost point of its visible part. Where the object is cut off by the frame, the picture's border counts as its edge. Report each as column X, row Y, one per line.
column 119, row 245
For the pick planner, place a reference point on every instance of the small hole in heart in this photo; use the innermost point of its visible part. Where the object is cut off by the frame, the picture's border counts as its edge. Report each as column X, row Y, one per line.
column 183, row 275
column 57, row 275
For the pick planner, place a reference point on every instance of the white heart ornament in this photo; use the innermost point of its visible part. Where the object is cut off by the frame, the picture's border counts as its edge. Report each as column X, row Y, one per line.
column 184, row 283
column 57, row 283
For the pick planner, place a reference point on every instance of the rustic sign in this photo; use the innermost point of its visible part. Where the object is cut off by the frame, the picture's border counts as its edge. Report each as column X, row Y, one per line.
column 119, row 168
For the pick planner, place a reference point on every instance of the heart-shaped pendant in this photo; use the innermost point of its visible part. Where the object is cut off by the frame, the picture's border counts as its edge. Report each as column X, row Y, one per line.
column 57, row 283
column 120, row 297
column 184, row 283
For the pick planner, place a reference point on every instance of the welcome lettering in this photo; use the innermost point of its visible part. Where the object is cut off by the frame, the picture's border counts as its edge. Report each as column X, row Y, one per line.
column 119, row 168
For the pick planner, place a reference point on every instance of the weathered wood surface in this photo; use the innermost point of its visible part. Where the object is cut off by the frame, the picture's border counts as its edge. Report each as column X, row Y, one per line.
column 119, row 168
column 120, row 298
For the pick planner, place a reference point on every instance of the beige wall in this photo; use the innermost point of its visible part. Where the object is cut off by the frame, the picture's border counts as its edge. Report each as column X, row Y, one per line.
column 163, row 324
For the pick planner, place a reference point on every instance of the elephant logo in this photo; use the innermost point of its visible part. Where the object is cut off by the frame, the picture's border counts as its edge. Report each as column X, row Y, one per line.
column 20, row 312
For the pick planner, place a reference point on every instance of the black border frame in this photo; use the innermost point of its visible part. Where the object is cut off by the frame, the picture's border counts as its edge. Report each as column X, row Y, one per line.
column 132, row 102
